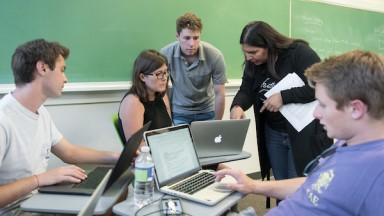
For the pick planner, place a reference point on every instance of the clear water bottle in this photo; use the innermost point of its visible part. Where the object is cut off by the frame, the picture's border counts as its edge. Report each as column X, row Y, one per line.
column 144, row 184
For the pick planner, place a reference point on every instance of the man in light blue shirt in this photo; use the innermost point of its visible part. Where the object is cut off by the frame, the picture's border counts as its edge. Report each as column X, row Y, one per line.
column 197, row 71
column 348, row 177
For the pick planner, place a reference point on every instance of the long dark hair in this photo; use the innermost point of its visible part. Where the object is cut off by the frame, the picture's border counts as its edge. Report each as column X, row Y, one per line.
column 261, row 34
column 147, row 62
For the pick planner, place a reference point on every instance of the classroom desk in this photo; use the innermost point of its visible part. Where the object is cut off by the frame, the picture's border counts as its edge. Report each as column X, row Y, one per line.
column 72, row 204
column 222, row 159
column 126, row 208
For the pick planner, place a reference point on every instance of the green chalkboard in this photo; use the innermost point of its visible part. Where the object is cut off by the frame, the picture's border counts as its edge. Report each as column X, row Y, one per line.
column 332, row 29
column 105, row 36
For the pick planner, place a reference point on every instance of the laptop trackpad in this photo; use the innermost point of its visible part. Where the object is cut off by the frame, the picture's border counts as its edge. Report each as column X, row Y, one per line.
column 222, row 187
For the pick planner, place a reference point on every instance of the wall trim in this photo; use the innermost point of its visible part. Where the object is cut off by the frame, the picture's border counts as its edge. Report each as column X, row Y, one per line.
column 100, row 92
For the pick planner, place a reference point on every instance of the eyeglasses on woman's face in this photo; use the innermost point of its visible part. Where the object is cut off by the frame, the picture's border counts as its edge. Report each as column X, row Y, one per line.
column 160, row 74
column 312, row 165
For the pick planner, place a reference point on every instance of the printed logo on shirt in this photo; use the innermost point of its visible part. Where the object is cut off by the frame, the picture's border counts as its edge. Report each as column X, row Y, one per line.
column 265, row 87
column 321, row 184
column 46, row 154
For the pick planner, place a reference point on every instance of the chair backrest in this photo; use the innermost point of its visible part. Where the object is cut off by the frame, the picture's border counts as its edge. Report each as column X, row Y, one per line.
column 115, row 121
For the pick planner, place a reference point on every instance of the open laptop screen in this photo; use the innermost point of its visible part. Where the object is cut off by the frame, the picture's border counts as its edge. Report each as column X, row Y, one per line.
column 173, row 153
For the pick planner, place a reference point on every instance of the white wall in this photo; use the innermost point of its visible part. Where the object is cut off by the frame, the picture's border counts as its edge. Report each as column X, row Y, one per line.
column 83, row 114
column 251, row 164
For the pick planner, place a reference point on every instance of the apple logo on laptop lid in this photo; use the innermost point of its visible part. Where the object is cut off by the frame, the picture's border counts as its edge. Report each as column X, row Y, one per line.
column 218, row 139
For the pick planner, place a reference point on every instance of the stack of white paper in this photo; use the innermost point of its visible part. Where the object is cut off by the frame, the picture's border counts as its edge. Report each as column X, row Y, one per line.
column 299, row 115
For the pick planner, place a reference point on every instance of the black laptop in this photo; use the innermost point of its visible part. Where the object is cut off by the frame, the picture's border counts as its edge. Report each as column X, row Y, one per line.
column 96, row 172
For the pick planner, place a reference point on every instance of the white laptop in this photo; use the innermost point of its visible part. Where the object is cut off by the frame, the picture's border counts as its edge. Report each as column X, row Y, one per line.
column 219, row 137
column 89, row 207
column 176, row 162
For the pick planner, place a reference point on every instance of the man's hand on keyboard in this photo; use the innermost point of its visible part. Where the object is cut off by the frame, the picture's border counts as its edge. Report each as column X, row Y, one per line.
column 69, row 173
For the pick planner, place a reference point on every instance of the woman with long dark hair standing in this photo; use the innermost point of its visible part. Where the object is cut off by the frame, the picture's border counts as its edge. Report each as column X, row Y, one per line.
column 269, row 57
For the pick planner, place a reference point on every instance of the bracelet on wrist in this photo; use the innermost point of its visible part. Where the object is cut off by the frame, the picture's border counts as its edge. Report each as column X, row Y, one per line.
column 37, row 179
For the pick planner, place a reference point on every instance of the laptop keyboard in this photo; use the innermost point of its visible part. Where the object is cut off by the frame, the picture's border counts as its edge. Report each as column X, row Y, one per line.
column 195, row 183
column 94, row 178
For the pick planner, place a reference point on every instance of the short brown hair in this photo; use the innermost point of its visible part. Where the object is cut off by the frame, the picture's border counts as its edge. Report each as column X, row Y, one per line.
column 353, row 75
column 26, row 56
column 190, row 21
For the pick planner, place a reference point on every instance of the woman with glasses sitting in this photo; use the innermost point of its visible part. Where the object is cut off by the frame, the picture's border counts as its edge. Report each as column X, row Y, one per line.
column 147, row 98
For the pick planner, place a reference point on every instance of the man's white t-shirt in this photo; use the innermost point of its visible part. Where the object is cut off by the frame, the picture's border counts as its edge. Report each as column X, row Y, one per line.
column 26, row 139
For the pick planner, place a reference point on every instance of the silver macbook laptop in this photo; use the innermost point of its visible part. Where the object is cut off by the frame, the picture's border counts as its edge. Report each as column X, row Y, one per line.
column 219, row 137
column 177, row 167
column 89, row 207
column 96, row 172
